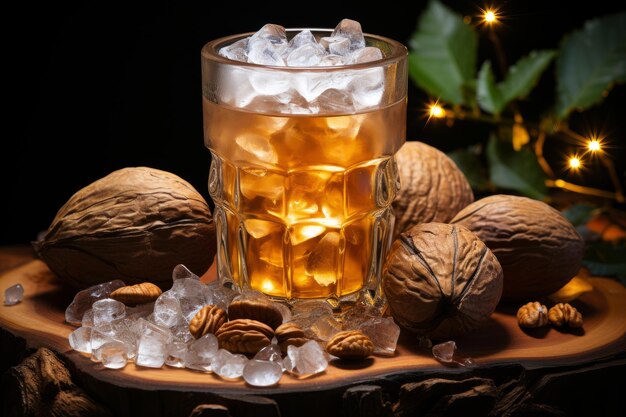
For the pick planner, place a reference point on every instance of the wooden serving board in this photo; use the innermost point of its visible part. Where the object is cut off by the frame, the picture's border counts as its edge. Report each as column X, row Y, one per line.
column 39, row 319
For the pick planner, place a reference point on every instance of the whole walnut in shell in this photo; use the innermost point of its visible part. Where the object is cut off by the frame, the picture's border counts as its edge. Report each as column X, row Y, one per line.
column 433, row 188
column 538, row 248
column 441, row 281
column 135, row 224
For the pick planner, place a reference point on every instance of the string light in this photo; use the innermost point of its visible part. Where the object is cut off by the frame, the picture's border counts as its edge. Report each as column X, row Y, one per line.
column 436, row 110
column 591, row 147
column 490, row 17
column 594, row 145
column 574, row 163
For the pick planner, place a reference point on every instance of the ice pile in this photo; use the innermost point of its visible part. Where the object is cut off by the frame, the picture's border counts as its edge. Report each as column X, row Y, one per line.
column 157, row 334
column 315, row 91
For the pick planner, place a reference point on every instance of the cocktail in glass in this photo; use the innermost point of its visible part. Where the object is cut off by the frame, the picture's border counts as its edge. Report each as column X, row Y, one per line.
column 303, row 171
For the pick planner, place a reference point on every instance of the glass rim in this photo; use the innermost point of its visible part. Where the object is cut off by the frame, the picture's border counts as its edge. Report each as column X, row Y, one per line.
column 210, row 52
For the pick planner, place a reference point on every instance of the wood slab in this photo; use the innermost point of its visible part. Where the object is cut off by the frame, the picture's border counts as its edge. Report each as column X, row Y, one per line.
column 39, row 319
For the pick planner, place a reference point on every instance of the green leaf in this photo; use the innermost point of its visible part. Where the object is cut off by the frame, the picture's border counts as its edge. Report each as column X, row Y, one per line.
column 591, row 60
column 523, row 76
column 470, row 164
column 517, row 171
column 579, row 214
column 520, row 79
column 488, row 94
column 606, row 259
column 443, row 57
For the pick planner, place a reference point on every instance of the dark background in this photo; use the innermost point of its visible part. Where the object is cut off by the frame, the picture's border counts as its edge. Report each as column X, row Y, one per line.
column 100, row 89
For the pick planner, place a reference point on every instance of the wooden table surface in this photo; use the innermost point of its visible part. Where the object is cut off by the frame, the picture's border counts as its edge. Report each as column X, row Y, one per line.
column 39, row 321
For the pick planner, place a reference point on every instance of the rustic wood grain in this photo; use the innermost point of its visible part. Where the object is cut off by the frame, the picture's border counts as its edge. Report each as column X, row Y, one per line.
column 38, row 321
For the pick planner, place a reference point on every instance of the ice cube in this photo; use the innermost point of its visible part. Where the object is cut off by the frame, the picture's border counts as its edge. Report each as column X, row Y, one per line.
column 307, row 55
column 13, row 294
column 302, row 232
column 223, row 296
column 228, row 365
column 334, row 101
column 182, row 333
column 263, row 52
column 80, row 339
column 192, row 296
column 351, row 30
column 107, row 310
column 113, row 354
column 259, row 182
column 306, row 360
column 151, row 351
column 84, row 299
column 275, row 34
column 236, row 51
column 139, row 311
column 270, row 353
column 258, row 147
column 304, row 37
column 176, row 352
column 331, row 61
column 88, row 318
column 262, row 373
column 206, row 346
column 180, row 271
column 324, row 328
column 167, row 310
column 363, row 55
column 446, row 353
column 384, row 333
column 322, row 262
column 121, row 332
column 336, row 45
column 202, row 352
column 311, row 309
column 366, row 87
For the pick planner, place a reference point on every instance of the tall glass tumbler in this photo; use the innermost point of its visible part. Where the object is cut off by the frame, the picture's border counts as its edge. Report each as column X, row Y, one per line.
column 303, row 171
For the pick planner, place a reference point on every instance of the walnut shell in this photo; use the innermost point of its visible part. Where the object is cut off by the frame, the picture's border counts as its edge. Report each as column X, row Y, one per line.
column 146, row 292
column 244, row 336
column 433, row 188
column 255, row 310
column 350, row 344
column 441, row 281
column 207, row 320
column 539, row 250
column 135, row 224
column 289, row 334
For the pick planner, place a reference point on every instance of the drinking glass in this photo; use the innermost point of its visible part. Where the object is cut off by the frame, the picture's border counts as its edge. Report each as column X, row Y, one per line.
column 303, row 171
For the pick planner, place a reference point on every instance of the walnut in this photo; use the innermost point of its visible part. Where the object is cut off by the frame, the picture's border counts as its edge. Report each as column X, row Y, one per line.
column 350, row 344
column 146, row 292
column 208, row 320
column 564, row 314
column 538, row 248
column 244, row 336
column 290, row 334
column 531, row 315
column 255, row 310
column 433, row 188
column 441, row 281
column 135, row 224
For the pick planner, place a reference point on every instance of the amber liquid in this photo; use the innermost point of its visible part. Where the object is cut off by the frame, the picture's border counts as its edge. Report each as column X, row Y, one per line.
column 303, row 201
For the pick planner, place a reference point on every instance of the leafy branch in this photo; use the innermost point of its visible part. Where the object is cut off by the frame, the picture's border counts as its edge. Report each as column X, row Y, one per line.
column 589, row 62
